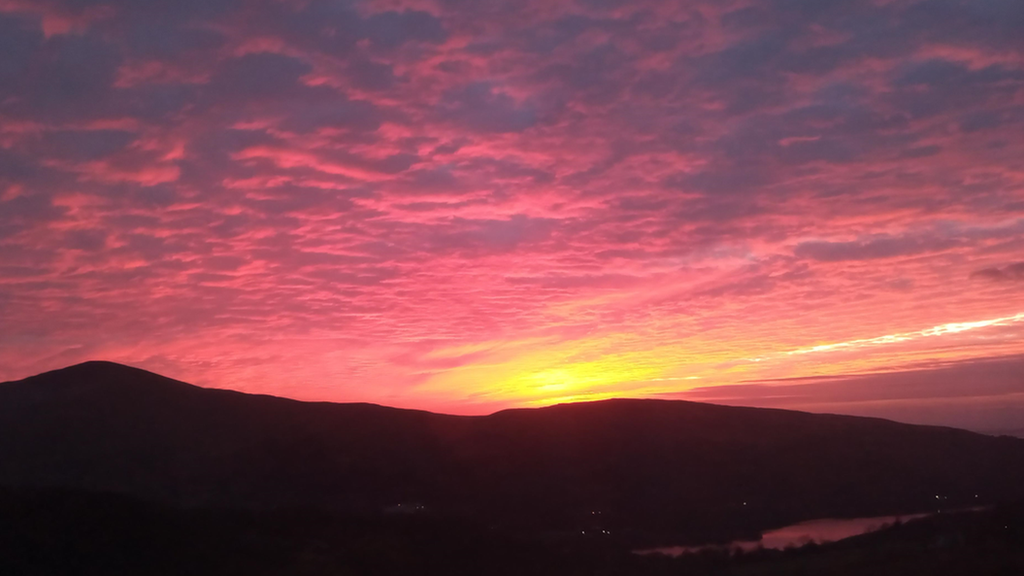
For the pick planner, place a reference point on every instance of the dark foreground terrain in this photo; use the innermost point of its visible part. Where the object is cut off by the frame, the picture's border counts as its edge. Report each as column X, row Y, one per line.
column 651, row 472
column 65, row 533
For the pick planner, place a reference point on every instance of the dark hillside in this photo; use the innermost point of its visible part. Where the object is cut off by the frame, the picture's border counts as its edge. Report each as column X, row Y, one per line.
column 645, row 469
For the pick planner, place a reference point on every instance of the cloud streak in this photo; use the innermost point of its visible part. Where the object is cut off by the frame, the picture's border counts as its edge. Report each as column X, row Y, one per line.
column 943, row 329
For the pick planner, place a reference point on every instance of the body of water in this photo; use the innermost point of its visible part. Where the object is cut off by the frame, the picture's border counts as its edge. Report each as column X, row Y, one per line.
column 819, row 531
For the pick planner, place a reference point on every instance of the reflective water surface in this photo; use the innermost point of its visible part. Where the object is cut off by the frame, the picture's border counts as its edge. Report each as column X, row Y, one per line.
column 824, row 530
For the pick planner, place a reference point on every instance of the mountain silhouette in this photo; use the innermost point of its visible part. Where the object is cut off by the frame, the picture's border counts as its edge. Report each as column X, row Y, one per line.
column 653, row 468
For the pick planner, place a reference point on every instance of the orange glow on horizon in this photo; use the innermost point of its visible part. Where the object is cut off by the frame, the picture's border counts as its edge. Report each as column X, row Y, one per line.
column 466, row 208
column 561, row 372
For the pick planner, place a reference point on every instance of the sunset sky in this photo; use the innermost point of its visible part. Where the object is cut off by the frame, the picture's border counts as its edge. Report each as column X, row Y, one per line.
column 468, row 205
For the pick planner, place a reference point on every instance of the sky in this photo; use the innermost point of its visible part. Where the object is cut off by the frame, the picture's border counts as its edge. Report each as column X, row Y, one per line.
column 469, row 205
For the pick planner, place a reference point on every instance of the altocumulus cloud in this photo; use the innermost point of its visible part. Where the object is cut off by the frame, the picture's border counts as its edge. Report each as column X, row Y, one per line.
column 333, row 190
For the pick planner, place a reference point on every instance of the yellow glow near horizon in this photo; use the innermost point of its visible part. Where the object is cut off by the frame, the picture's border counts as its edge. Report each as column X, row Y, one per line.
column 534, row 372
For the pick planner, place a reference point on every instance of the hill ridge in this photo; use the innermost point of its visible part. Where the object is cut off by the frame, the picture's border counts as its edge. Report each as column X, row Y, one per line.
column 650, row 465
column 106, row 367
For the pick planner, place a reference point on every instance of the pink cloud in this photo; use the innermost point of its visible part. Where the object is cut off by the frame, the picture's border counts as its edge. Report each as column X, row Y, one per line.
column 328, row 201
